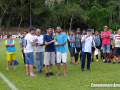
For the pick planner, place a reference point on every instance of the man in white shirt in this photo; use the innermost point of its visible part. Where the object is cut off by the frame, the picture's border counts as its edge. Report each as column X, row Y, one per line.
column 116, row 45
column 30, row 42
column 87, row 43
column 39, row 51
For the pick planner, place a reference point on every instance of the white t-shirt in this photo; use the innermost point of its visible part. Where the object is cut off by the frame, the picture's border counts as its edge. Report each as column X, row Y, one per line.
column 39, row 48
column 29, row 39
column 87, row 44
column 117, row 40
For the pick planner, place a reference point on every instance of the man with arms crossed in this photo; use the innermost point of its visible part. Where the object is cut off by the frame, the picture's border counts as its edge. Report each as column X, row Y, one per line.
column 30, row 42
column 39, row 51
column 49, row 57
column 116, row 40
column 61, row 50
column 105, row 36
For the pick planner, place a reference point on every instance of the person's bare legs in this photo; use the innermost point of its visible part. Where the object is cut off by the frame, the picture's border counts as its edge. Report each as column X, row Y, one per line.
column 109, row 55
column 31, row 71
column 64, row 67
column 58, row 64
column 72, row 60
column 115, row 58
column 51, row 67
column 27, row 69
column 13, row 64
column 46, row 68
column 104, row 56
column 7, row 65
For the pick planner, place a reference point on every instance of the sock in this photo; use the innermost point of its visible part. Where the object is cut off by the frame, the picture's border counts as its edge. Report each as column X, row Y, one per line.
column 114, row 61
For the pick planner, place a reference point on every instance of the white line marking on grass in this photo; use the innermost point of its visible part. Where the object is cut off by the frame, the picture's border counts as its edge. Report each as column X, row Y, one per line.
column 8, row 82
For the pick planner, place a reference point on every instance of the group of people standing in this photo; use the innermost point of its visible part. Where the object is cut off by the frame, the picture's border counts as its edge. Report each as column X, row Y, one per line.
column 84, row 43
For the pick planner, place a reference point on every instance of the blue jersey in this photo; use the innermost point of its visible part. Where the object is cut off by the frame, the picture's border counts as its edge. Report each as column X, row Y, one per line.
column 77, row 40
column 72, row 44
column 98, row 40
column 50, row 47
column 112, row 36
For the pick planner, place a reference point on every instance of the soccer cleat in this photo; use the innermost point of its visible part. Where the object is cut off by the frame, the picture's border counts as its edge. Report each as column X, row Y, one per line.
column 89, row 69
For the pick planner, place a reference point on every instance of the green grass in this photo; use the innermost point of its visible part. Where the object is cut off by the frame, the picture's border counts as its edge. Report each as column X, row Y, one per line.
column 76, row 79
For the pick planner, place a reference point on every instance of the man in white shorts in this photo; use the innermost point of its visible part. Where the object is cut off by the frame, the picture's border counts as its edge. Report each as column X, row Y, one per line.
column 61, row 50
column 49, row 57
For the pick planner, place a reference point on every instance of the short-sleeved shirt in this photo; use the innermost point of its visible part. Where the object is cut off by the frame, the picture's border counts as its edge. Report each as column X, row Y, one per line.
column 50, row 47
column 13, row 52
column 87, row 44
column 112, row 36
column 72, row 44
column 105, row 40
column 61, row 38
column 29, row 39
column 39, row 48
column 117, row 40
column 77, row 40
column 98, row 40
column 22, row 41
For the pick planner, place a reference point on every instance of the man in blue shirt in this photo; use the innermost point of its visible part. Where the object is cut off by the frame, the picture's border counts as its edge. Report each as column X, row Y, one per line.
column 111, row 39
column 49, row 57
column 71, row 39
column 61, row 49
column 77, row 44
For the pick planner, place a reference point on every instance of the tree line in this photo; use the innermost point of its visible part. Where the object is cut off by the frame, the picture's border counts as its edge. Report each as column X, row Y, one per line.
column 67, row 13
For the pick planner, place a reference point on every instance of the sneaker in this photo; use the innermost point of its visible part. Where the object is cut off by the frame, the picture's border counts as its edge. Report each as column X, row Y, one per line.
column 101, row 59
column 89, row 69
column 82, row 69
column 41, row 71
column 105, row 61
column 47, row 74
column 76, row 62
column 50, row 73
column 38, row 72
column 73, row 64
column 113, row 62
column 109, row 61
column 118, row 61
column 70, row 62
column 92, row 60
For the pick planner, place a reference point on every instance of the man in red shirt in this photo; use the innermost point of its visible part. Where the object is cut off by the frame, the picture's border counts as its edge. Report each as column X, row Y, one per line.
column 105, row 36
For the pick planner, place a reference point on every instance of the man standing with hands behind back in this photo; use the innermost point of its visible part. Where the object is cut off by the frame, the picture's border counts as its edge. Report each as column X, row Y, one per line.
column 105, row 36
column 61, row 50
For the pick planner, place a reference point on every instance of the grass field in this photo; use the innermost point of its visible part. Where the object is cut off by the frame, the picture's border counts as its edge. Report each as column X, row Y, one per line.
column 101, row 73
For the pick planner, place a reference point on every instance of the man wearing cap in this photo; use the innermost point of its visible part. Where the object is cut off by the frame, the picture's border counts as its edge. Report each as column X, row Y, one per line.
column 49, row 57
column 105, row 36
column 30, row 42
column 77, row 44
column 71, row 39
column 87, row 43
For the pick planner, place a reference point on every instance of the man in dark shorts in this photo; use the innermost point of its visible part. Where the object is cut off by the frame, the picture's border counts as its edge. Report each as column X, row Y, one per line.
column 116, row 46
column 77, row 44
